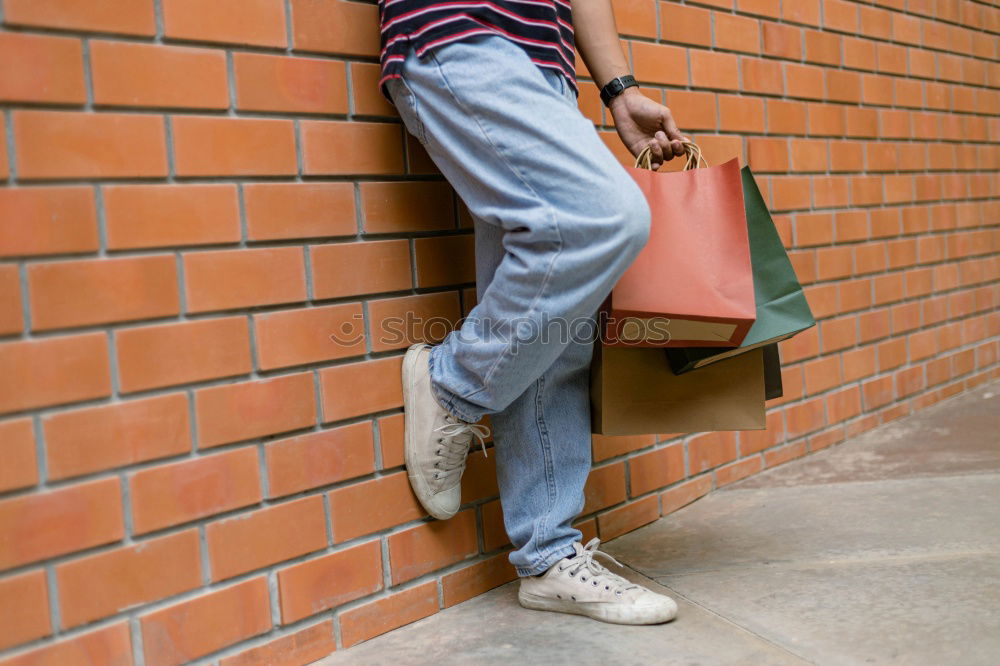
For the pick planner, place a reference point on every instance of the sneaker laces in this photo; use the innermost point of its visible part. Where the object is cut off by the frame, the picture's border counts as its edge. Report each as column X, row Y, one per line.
column 456, row 438
column 584, row 562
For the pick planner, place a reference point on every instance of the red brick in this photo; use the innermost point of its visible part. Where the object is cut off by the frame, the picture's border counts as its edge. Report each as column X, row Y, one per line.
column 198, row 351
column 877, row 392
column 396, row 323
column 844, row 404
column 254, row 22
column 368, row 99
column 297, row 337
column 445, row 260
column 809, row 155
column 290, row 85
column 350, row 269
column 635, row 17
column 775, row 457
column 180, row 633
column 75, row 517
column 266, row 536
column 180, row 492
column 741, row 114
column 342, row 148
column 18, row 451
column 300, row 647
column 24, row 608
column 104, row 290
column 804, row 81
column 626, row 518
column 54, row 370
column 605, row 446
column 299, row 210
column 391, row 440
column 41, row 69
column 100, row 585
column 605, row 487
column 736, row 33
column 424, row 548
column 740, row 469
column 223, row 146
column 371, row 506
column 804, row 417
column 782, row 41
column 785, row 117
column 790, row 193
column 762, row 76
column 801, row 11
column 228, row 279
column 121, row 16
column 822, row 47
column 387, row 613
column 766, row 154
column 93, row 439
column 684, row 493
column 108, row 645
column 840, row 15
column 319, row 458
column 65, row 144
column 659, row 63
column 141, row 216
column 770, row 8
column 476, row 579
column 328, row 581
column 711, row 450
column 685, row 24
column 822, row 374
column 714, row 70
column 354, row 389
column 332, row 26
column 131, row 74
column 693, row 110
column 656, row 469
column 407, row 207
column 47, row 220
column 262, row 407
column 858, row 363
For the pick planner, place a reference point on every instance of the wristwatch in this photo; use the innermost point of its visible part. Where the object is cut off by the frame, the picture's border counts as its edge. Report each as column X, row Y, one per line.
column 615, row 87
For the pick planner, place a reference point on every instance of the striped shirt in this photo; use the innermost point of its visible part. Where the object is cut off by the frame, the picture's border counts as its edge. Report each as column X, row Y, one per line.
column 543, row 28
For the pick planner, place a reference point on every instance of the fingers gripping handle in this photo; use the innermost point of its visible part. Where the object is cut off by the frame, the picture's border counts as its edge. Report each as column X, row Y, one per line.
column 644, row 160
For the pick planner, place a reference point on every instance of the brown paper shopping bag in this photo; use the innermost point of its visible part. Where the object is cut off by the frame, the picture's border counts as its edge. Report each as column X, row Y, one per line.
column 633, row 391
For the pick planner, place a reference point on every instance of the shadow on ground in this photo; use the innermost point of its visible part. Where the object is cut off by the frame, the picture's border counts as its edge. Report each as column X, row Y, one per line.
column 884, row 549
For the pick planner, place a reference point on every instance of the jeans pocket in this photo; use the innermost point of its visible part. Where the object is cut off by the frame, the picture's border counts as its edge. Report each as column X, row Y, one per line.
column 406, row 105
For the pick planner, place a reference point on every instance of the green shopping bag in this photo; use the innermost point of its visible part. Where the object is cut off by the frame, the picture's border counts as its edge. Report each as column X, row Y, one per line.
column 782, row 309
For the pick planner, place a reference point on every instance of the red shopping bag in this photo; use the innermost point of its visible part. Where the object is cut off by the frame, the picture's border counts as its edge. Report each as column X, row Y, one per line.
column 692, row 284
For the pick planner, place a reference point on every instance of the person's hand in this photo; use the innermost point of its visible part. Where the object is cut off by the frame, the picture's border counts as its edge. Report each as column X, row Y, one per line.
column 642, row 122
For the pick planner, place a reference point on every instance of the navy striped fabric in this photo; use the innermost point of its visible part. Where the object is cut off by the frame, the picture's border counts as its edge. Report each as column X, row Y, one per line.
column 543, row 28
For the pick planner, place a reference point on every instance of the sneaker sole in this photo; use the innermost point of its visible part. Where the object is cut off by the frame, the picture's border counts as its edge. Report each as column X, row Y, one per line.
column 602, row 612
column 417, row 482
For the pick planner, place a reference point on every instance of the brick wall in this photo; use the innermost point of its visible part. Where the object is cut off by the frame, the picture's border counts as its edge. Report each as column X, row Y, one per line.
column 198, row 193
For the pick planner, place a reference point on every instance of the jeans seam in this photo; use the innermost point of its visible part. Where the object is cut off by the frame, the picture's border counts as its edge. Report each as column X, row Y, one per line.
column 551, row 212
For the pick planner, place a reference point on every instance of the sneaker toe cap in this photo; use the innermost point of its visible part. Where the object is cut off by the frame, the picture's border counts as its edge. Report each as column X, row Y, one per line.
column 444, row 504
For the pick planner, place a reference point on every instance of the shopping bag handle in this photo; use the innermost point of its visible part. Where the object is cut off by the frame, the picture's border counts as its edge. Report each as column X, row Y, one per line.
column 644, row 160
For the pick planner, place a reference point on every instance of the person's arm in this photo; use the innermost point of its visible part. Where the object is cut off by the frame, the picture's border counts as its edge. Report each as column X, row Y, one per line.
column 639, row 120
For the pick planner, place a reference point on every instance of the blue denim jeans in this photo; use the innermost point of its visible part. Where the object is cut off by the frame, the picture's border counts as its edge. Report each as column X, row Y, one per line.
column 557, row 220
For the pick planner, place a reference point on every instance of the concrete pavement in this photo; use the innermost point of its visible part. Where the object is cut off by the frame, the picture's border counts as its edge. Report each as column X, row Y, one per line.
column 884, row 549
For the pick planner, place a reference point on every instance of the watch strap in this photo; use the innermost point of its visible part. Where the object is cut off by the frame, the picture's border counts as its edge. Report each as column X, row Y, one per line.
column 615, row 87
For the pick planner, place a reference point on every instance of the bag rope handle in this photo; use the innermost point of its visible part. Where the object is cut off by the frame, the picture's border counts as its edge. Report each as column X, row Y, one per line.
column 644, row 160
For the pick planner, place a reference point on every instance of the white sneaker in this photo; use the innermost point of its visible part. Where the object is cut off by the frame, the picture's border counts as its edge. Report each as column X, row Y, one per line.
column 582, row 586
column 435, row 442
